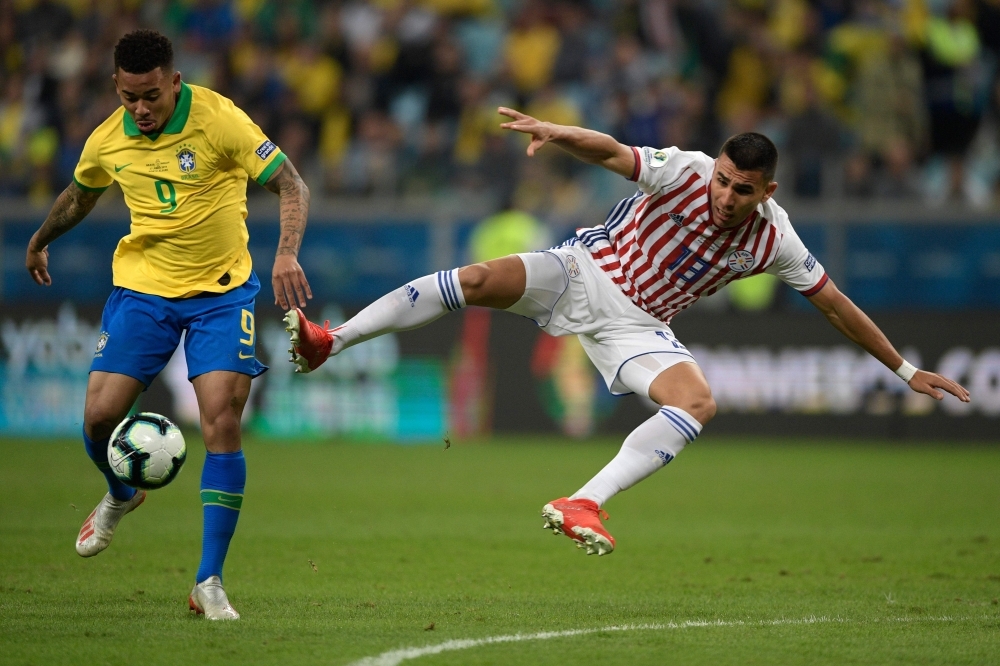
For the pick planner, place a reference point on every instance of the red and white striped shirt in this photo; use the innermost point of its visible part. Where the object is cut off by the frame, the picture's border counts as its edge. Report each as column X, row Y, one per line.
column 663, row 251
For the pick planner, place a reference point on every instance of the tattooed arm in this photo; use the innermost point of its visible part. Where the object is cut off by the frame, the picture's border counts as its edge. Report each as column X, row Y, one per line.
column 287, row 278
column 71, row 207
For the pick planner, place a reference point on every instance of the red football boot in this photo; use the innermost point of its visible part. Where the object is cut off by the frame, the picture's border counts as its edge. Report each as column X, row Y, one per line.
column 97, row 530
column 311, row 343
column 580, row 520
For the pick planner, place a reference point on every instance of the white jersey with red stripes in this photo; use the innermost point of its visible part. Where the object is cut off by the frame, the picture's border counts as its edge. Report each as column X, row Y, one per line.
column 663, row 251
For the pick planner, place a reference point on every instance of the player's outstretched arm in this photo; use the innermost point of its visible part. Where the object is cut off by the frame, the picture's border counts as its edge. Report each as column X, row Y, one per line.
column 69, row 209
column 587, row 145
column 848, row 318
column 287, row 277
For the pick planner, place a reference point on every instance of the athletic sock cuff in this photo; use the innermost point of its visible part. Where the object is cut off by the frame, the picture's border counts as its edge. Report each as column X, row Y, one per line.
column 235, row 455
column 97, row 451
column 225, row 473
column 684, row 423
column 450, row 289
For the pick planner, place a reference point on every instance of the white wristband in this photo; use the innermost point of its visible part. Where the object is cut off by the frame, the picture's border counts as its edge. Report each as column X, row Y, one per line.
column 906, row 371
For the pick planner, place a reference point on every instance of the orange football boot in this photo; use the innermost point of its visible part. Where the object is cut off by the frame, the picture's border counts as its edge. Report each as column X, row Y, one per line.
column 580, row 520
column 311, row 343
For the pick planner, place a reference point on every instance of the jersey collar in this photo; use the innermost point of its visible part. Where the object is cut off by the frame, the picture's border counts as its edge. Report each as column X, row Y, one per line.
column 178, row 119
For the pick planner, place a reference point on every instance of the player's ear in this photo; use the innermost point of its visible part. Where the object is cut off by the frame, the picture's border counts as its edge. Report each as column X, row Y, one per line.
column 175, row 82
column 769, row 191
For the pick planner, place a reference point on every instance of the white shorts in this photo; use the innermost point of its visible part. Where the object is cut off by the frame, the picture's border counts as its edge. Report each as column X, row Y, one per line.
column 567, row 293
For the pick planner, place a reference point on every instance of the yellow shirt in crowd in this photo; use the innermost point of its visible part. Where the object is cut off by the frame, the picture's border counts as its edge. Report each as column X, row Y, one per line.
column 186, row 188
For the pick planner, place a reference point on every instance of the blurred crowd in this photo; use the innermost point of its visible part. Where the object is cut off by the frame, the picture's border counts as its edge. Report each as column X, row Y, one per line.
column 865, row 98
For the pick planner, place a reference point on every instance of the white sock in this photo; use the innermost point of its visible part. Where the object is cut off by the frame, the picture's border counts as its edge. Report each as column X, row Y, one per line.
column 413, row 305
column 649, row 447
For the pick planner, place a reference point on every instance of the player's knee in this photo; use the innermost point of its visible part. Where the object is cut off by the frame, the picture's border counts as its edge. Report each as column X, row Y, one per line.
column 222, row 416
column 700, row 405
column 221, row 432
column 703, row 408
column 99, row 421
column 473, row 280
column 221, row 425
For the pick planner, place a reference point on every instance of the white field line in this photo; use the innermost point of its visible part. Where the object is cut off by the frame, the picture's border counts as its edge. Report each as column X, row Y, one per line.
column 395, row 657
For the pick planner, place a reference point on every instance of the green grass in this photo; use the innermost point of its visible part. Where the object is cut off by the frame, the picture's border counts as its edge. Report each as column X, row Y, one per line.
column 900, row 544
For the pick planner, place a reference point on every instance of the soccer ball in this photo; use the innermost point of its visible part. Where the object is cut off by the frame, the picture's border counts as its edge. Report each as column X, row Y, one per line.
column 146, row 451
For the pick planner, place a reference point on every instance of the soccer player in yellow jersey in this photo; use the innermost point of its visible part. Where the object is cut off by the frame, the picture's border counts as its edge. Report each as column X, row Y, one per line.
column 182, row 155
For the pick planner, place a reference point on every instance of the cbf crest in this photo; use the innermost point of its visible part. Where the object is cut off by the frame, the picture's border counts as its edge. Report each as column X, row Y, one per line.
column 186, row 159
column 102, row 342
column 740, row 261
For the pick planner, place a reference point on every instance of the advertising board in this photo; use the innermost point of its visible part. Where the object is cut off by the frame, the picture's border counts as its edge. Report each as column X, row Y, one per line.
column 479, row 372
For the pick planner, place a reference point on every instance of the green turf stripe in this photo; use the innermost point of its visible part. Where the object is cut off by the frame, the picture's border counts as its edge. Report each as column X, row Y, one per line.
column 219, row 498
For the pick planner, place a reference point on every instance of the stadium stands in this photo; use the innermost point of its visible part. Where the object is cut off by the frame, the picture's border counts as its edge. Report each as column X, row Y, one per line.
column 865, row 98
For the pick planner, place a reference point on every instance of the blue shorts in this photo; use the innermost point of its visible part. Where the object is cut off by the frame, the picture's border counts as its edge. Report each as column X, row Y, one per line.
column 140, row 332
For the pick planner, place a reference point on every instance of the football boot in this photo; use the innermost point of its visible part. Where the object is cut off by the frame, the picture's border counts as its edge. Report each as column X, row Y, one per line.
column 580, row 520
column 312, row 344
column 96, row 532
column 208, row 598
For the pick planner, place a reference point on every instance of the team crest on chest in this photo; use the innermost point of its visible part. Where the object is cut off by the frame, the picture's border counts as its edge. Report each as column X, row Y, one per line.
column 740, row 261
column 186, row 159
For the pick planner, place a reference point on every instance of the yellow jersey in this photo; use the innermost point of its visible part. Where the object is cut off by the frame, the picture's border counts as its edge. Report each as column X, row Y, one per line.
column 186, row 187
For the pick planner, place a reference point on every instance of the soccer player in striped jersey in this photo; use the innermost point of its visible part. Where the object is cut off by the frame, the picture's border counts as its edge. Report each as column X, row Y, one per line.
column 696, row 224
column 182, row 155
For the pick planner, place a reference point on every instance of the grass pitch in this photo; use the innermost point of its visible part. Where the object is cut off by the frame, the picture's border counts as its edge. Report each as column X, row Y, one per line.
column 894, row 550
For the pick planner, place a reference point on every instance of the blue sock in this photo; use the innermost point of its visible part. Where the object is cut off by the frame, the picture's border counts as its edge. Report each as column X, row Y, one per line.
column 222, row 482
column 98, row 452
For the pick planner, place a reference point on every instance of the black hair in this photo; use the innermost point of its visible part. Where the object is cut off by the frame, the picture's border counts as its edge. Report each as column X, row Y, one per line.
column 142, row 51
column 751, row 151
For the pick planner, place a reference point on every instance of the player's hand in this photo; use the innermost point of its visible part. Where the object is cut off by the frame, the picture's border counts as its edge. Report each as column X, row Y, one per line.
column 291, row 288
column 930, row 382
column 541, row 133
column 37, row 263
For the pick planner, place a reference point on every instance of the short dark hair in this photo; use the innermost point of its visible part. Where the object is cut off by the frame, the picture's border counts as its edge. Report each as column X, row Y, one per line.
column 142, row 51
column 752, row 151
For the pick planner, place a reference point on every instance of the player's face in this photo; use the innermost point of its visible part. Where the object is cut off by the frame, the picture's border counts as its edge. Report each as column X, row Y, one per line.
column 149, row 98
column 736, row 193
